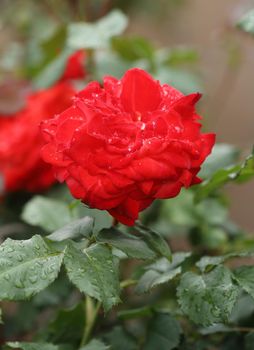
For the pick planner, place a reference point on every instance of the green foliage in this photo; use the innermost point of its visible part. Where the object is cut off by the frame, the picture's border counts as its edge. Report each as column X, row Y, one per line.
column 163, row 333
column 49, row 214
column 246, row 23
column 237, row 173
column 95, row 345
column 131, row 245
column 118, row 338
column 208, row 298
column 27, row 267
column 31, row 346
column 94, row 272
column 96, row 35
column 162, row 271
column 244, row 276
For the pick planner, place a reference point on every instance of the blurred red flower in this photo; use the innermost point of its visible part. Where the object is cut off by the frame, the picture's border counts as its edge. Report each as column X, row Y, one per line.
column 121, row 146
column 74, row 68
column 20, row 140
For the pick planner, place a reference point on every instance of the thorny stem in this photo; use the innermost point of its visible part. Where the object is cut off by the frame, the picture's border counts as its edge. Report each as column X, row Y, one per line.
column 91, row 311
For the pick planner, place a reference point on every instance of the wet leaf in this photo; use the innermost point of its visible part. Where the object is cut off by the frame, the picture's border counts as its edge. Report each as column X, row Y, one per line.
column 95, row 344
column 209, row 298
column 132, row 246
column 27, row 267
column 31, row 346
column 75, row 229
column 244, row 276
column 94, row 272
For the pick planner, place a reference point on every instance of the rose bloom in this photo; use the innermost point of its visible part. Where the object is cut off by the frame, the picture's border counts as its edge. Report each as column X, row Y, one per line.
column 20, row 139
column 123, row 145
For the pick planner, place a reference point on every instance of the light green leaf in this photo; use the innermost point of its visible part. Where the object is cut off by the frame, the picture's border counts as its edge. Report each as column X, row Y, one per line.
column 132, row 246
column 161, row 272
column 95, row 345
column 32, row 346
column 154, row 241
column 237, row 173
column 163, row 333
column 50, row 214
column 211, row 261
column 223, row 155
column 207, row 299
column 78, row 228
column 94, row 272
column 27, row 267
column 96, row 35
column 53, row 71
column 244, row 276
column 246, row 23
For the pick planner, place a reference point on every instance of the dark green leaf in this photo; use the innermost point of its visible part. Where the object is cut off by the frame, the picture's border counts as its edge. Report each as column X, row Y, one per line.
column 133, row 48
column 94, row 272
column 135, row 313
column 209, row 298
column 246, row 23
column 68, row 326
column 50, row 214
column 154, row 241
column 132, row 246
column 78, row 228
column 27, row 267
column 118, row 339
column 96, row 35
column 249, row 341
column 163, row 333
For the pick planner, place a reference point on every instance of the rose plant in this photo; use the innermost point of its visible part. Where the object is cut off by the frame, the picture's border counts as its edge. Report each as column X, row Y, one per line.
column 87, row 265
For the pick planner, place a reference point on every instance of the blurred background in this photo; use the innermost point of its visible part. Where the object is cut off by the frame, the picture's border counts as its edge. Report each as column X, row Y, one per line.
column 218, row 59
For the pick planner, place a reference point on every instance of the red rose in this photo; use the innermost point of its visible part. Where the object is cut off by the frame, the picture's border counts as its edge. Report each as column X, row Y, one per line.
column 74, row 68
column 20, row 140
column 121, row 146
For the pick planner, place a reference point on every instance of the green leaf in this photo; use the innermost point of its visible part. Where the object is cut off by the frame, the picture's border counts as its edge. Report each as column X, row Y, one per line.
column 249, row 341
column 244, row 276
column 52, row 71
column 32, row 346
column 164, row 333
column 118, row 339
column 135, row 313
column 68, row 325
column 131, row 245
column 160, row 272
column 246, row 23
column 78, row 228
column 94, row 272
column 27, row 267
column 209, row 298
column 50, row 214
column 95, row 345
column 96, row 35
column 134, row 48
column 211, row 261
column 154, row 241
column 237, row 173
column 223, row 155
column 181, row 55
